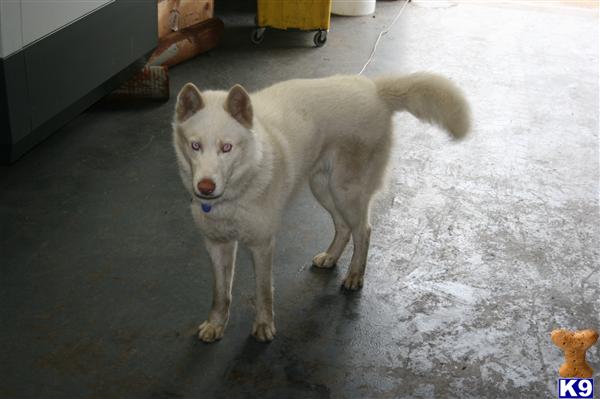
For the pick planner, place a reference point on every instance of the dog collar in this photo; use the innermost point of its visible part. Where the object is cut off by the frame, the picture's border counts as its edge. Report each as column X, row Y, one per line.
column 206, row 207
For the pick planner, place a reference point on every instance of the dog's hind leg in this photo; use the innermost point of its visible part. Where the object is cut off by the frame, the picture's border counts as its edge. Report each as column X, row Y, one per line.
column 354, row 206
column 319, row 185
column 356, row 176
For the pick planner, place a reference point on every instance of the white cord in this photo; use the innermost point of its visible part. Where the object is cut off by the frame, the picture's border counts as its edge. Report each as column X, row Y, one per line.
column 381, row 34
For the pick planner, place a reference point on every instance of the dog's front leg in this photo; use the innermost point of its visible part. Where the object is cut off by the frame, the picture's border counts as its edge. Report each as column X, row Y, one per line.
column 263, row 328
column 222, row 255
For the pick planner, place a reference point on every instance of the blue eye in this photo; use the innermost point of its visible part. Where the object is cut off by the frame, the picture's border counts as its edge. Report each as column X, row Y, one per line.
column 196, row 146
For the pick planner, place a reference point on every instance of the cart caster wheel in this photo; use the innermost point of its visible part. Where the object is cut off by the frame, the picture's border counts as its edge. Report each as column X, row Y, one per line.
column 258, row 35
column 320, row 38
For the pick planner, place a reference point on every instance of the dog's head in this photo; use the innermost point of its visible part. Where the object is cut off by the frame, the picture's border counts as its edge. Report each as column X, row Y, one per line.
column 213, row 139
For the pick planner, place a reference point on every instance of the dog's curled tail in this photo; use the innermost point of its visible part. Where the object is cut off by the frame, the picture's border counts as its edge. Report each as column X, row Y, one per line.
column 429, row 97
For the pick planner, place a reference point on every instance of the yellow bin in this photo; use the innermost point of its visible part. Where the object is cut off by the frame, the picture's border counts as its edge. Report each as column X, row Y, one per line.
column 290, row 14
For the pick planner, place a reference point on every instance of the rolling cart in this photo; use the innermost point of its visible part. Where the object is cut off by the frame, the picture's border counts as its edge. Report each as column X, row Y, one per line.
column 311, row 15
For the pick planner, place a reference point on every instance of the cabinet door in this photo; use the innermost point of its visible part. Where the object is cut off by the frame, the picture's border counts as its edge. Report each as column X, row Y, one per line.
column 11, row 39
column 40, row 18
column 76, row 59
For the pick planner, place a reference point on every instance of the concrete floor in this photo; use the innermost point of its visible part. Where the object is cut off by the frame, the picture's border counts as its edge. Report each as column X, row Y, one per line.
column 479, row 248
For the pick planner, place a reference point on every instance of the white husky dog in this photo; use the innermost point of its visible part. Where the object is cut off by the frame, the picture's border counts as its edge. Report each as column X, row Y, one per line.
column 241, row 157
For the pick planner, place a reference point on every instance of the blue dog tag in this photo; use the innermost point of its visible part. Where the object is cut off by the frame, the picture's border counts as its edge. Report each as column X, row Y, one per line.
column 206, row 208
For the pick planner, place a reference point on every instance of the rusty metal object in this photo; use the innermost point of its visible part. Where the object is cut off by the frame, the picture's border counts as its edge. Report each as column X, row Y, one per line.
column 174, row 15
column 179, row 46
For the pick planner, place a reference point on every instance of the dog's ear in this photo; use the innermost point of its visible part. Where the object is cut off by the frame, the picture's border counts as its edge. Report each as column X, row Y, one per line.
column 189, row 101
column 238, row 105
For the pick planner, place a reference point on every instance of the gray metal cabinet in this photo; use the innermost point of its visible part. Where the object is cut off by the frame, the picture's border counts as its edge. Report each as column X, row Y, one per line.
column 55, row 63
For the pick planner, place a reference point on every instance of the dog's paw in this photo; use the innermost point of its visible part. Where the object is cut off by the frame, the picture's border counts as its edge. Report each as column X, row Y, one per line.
column 210, row 332
column 263, row 332
column 353, row 282
column 323, row 260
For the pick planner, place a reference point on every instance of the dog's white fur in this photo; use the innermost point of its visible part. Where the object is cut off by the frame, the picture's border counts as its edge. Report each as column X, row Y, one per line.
column 336, row 132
